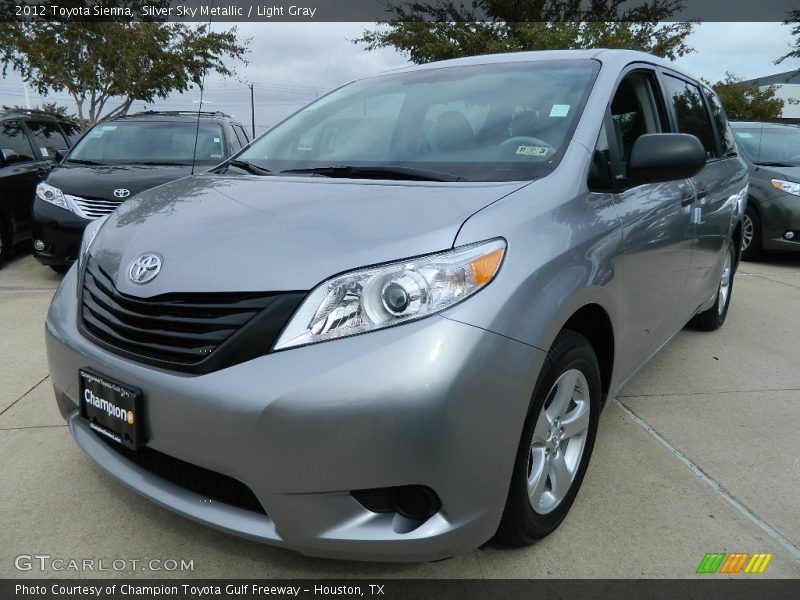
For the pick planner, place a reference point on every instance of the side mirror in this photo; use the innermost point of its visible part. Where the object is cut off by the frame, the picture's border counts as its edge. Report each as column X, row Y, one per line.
column 8, row 156
column 59, row 155
column 657, row 157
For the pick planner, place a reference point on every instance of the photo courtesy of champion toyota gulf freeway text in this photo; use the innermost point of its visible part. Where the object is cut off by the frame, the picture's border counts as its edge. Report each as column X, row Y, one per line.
column 425, row 281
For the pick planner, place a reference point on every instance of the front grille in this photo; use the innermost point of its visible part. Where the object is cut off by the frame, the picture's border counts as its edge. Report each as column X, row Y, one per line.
column 193, row 332
column 203, row 482
column 93, row 208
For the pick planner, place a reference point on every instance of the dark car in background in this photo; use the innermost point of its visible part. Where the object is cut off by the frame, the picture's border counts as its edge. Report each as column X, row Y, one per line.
column 31, row 143
column 117, row 159
column 772, row 221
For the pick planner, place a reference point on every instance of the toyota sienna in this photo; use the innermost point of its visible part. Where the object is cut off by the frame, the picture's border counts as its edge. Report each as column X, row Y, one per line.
column 386, row 329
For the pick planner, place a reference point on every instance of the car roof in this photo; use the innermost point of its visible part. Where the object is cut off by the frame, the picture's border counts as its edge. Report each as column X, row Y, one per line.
column 162, row 115
column 605, row 55
column 16, row 113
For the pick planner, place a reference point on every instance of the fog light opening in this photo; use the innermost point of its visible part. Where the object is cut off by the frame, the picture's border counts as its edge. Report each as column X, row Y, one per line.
column 416, row 502
column 789, row 235
column 38, row 245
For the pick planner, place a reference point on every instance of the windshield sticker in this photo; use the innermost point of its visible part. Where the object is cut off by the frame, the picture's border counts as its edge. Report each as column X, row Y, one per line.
column 559, row 110
column 108, row 128
column 744, row 135
column 43, row 151
column 216, row 140
column 525, row 150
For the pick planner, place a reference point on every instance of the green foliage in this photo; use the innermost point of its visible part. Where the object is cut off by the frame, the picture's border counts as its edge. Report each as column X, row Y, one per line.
column 426, row 32
column 794, row 22
column 746, row 101
column 99, row 63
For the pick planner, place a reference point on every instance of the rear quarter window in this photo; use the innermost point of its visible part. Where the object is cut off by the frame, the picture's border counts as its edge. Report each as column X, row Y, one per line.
column 724, row 133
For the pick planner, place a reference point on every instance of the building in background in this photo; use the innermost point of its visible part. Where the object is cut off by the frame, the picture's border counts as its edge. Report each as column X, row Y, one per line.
column 787, row 88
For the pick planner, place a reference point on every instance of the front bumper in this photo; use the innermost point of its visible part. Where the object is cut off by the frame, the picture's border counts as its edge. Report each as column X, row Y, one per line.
column 60, row 230
column 779, row 215
column 434, row 402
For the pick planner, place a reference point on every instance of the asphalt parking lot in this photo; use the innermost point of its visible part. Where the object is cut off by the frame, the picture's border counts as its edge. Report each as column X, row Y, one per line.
column 700, row 453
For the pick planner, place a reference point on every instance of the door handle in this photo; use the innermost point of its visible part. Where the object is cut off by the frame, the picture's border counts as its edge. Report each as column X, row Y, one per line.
column 687, row 200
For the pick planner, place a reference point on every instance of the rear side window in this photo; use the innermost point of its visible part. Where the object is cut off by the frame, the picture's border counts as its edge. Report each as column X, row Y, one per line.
column 72, row 131
column 691, row 113
column 12, row 137
column 49, row 138
column 241, row 134
column 724, row 133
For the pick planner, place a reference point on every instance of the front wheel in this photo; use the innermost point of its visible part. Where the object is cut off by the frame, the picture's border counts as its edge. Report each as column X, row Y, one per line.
column 557, row 442
column 714, row 317
column 752, row 246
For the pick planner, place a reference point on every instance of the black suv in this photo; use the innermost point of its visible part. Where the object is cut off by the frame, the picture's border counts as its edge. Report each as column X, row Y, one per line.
column 31, row 143
column 116, row 160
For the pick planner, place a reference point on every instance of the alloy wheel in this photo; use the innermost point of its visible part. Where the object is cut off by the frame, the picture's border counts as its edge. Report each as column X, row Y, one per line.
column 725, row 282
column 558, row 442
column 748, row 231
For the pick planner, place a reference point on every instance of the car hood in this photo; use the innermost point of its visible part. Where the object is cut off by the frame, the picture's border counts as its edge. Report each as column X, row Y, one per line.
column 239, row 234
column 788, row 173
column 100, row 181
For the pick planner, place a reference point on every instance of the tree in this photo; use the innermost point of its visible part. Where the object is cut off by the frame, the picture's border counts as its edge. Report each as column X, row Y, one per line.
column 444, row 29
column 746, row 101
column 101, row 64
column 794, row 21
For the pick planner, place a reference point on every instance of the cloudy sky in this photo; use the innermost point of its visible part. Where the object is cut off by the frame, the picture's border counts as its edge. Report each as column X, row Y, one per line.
column 291, row 63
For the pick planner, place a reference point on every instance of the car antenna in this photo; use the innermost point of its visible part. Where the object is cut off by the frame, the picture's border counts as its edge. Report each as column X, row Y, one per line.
column 202, row 91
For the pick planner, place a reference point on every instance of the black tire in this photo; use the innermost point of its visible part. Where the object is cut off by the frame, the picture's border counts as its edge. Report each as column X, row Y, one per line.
column 755, row 249
column 713, row 318
column 60, row 269
column 521, row 525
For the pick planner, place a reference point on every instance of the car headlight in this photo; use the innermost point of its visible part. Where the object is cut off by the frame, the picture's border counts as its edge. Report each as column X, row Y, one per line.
column 378, row 297
column 53, row 195
column 790, row 187
column 88, row 237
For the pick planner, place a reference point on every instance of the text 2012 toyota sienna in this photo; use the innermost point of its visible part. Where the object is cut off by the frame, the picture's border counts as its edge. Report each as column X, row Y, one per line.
column 386, row 329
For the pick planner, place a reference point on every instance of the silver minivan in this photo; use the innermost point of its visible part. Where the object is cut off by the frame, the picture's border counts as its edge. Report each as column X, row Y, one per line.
column 387, row 328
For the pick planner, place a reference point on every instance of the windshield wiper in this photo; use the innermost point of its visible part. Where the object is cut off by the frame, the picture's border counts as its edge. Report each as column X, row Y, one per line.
column 377, row 172
column 160, row 163
column 245, row 165
column 772, row 163
column 79, row 161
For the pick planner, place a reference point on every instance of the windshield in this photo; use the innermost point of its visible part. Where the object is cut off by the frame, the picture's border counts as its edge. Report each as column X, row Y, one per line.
column 773, row 144
column 151, row 142
column 475, row 123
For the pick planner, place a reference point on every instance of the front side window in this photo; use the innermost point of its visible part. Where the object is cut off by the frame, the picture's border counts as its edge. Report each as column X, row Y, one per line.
column 691, row 113
column 634, row 112
column 477, row 123
column 12, row 137
column 49, row 138
column 150, row 142
column 771, row 145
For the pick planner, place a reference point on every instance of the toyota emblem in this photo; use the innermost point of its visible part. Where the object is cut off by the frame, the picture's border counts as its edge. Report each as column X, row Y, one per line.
column 122, row 193
column 145, row 268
